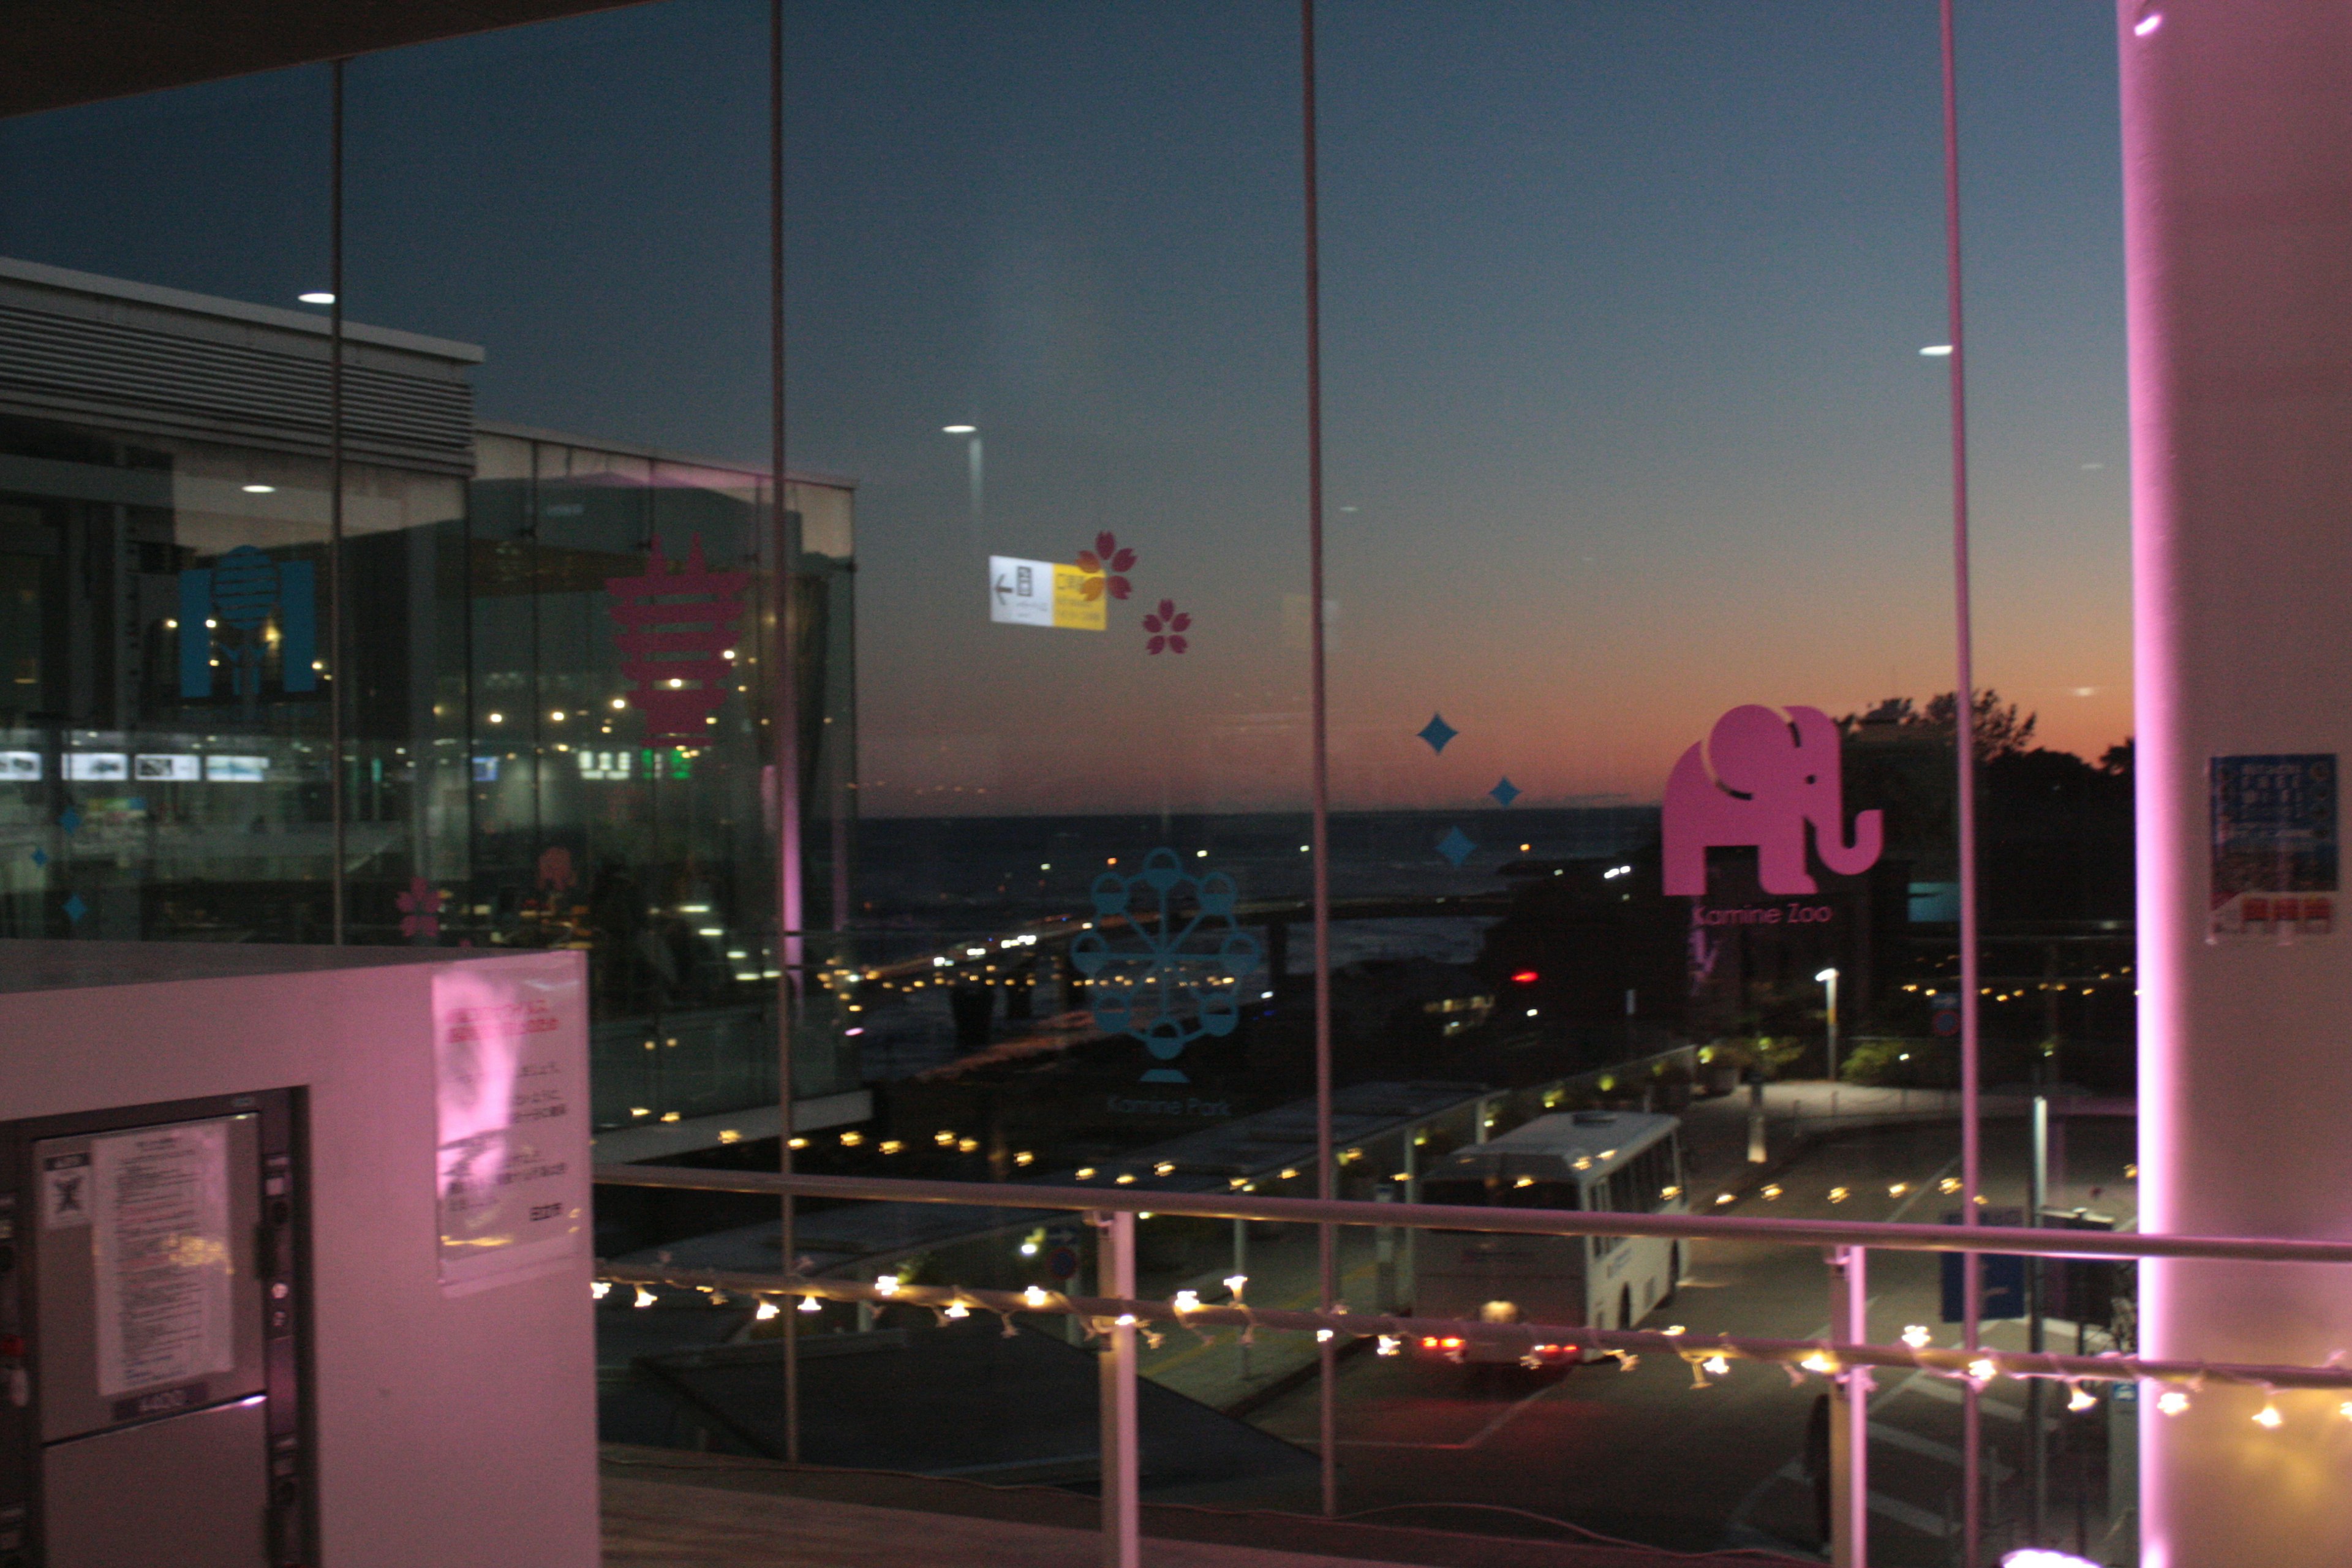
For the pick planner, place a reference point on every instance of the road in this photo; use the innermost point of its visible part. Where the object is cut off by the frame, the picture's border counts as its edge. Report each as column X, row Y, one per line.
column 1642, row 1455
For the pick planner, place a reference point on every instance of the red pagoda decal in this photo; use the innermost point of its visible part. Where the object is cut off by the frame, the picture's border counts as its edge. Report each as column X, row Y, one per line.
column 676, row 628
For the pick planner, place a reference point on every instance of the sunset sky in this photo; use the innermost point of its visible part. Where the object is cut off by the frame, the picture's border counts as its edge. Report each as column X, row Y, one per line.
column 1627, row 420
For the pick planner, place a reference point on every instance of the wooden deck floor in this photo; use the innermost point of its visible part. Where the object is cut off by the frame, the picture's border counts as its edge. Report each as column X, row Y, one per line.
column 660, row 1524
column 668, row 1509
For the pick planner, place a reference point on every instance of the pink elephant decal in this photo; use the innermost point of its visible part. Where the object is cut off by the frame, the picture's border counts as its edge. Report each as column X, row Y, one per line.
column 1772, row 776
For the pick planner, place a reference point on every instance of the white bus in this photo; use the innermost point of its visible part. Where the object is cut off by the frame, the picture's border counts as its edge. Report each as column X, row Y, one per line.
column 1622, row 1161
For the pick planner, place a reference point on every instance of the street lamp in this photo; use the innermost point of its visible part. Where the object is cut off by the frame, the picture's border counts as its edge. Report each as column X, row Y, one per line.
column 970, row 433
column 1828, row 977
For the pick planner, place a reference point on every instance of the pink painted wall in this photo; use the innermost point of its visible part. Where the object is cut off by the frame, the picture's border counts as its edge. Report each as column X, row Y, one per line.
column 452, row 1429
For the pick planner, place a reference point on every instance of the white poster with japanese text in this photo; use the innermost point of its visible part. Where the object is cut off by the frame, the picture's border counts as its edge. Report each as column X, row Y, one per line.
column 513, row 1181
column 160, row 1251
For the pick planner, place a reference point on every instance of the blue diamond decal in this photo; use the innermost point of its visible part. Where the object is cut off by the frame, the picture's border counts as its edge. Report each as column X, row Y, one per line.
column 75, row 909
column 1505, row 793
column 70, row 819
column 40, row 857
column 1437, row 732
column 1455, row 846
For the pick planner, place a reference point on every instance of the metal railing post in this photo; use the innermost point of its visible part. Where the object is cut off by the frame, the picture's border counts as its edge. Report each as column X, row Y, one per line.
column 1122, row 1519
column 1850, row 1413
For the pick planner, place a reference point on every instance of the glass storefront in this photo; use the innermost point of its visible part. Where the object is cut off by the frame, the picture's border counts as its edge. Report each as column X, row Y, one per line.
column 1634, row 425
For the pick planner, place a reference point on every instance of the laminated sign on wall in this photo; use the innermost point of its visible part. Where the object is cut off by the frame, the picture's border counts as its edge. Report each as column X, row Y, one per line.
column 157, row 1204
column 512, row 1197
column 2273, row 851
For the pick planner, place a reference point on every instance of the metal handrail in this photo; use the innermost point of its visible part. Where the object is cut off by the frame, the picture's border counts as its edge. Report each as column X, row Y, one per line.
column 1109, row 1198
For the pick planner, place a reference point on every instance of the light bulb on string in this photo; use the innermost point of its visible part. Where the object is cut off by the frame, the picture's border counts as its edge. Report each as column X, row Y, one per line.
column 2172, row 1402
column 1389, row 1345
column 1035, row 1296
column 958, row 1310
column 765, row 1310
column 886, row 1284
column 2080, row 1398
column 1917, row 1337
column 1186, row 1301
column 644, row 1298
column 1982, row 1369
column 1717, row 1365
column 601, row 1288
column 811, row 1304
column 2268, row 1417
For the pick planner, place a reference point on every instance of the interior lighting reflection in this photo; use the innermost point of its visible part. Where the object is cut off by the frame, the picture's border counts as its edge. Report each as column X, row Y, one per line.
column 959, row 429
column 261, row 490
column 1938, row 350
column 316, row 296
column 2148, row 24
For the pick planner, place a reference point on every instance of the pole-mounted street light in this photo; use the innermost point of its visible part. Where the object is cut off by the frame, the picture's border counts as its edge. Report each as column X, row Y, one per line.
column 1828, row 977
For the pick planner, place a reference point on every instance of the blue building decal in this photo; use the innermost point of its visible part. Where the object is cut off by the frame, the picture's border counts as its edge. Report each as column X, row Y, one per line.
column 225, row 610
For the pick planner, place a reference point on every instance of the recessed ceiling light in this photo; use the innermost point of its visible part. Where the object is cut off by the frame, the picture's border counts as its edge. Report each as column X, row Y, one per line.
column 958, row 429
column 261, row 490
column 1936, row 350
column 317, row 297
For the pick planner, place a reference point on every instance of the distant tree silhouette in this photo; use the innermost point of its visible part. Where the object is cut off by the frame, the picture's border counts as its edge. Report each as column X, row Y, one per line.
column 1999, row 732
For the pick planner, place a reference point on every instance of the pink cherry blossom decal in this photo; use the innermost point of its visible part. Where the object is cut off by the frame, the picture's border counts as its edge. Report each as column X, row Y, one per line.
column 420, row 909
column 1105, row 566
column 1167, row 625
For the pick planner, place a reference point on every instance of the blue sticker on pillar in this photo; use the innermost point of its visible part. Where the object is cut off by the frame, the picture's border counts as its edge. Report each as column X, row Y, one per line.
column 1456, row 846
column 1506, row 791
column 1437, row 732
column 232, row 612
column 1166, row 959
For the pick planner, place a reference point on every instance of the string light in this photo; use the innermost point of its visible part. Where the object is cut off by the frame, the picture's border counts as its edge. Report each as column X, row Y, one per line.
column 1390, row 1335
column 601, row 1288
column 1839, row 1195
column 1773, row 1190
column 1899, row 1189
column 1949, row 1185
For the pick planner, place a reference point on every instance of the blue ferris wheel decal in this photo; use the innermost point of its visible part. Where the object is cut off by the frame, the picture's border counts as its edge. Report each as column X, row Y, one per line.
column 1173, row 971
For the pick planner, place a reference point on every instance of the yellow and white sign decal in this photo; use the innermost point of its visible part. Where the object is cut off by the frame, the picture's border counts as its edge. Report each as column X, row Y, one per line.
column 1043, row 594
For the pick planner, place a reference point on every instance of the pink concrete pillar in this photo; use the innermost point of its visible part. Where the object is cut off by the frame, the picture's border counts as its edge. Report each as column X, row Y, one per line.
column 2237, row 133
